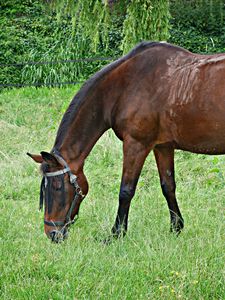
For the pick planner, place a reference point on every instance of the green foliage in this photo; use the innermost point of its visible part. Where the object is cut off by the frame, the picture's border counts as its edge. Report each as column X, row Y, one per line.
column 198, row 25
column 142, row 20
column 73, row 48
column 205, row 15
column 16, row 40
column 149, row 263
column 90, row 20
column 68, row 30
column 145, row 20
column 31, row 32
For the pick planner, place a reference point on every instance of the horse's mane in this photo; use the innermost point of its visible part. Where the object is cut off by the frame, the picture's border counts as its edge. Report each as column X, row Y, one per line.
column 90, row 83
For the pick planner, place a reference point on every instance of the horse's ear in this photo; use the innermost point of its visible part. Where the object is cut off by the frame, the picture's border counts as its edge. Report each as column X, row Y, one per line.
column 36, row 157
column 49, row 158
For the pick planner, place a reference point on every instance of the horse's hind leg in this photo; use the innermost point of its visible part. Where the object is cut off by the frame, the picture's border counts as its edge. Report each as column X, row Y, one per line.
column 165, row 162
column 134, row 156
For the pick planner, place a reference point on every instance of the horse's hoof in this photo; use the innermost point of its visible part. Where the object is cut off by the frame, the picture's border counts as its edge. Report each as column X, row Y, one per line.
column 177, row 226
column 108, row 241
column 114, row 236
column 119, row 232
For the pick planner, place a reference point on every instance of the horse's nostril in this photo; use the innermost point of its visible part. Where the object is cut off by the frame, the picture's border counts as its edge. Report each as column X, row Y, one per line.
column 52, row 235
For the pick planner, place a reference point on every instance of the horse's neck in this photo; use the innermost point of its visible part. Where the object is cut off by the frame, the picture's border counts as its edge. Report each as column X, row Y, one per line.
column 84, row 130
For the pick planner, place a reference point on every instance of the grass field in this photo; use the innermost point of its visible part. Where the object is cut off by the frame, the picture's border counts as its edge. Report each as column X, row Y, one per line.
column 150, row 263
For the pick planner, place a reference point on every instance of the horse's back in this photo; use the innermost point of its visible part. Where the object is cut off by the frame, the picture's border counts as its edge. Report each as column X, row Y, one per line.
column 168, row 94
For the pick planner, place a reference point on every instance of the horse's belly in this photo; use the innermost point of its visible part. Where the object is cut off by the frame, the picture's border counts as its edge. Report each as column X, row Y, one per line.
column 202, row 148
column 201, row 134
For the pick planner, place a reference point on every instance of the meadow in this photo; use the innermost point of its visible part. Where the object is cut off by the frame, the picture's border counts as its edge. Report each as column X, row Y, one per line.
column 149, row 263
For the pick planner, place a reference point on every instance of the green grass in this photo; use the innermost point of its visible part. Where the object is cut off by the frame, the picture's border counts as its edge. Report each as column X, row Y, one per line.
column 150, row 263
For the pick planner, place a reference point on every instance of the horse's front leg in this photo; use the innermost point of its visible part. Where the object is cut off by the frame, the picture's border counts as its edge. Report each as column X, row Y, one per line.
column 134, row 154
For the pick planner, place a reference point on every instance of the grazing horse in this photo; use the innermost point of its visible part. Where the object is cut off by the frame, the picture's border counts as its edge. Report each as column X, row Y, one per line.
column 158, row 97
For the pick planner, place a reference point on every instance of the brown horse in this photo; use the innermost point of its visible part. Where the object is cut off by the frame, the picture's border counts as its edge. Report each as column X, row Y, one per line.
column 158, row 97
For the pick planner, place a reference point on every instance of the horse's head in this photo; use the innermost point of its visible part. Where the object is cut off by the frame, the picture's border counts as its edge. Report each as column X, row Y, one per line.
column 61, row 192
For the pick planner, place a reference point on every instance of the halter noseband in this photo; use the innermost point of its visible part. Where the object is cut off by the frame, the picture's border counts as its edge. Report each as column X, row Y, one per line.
column 73, row 181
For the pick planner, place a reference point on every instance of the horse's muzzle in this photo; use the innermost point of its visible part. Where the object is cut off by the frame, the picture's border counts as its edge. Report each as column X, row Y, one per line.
column 58, row 236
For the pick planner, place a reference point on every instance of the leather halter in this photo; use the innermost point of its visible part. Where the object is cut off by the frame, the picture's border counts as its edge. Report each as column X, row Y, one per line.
column 73, row 181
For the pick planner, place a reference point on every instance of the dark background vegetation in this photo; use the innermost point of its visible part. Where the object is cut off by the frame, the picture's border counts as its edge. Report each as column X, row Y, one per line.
column 32, row 31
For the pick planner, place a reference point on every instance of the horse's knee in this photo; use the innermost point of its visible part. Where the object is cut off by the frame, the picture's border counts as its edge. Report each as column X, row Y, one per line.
column 164, row 188
column 126, row 194
column 168, row 188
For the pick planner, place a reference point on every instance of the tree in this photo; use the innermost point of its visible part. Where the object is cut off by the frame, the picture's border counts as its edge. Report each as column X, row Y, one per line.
column 134, row 20
column 145, row 20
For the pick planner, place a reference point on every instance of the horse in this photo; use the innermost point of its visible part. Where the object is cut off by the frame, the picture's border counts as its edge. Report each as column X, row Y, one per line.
column 158, row 97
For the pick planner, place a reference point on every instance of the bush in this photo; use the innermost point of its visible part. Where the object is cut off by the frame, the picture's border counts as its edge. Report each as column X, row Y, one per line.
column 31, row 32
column 198, row 25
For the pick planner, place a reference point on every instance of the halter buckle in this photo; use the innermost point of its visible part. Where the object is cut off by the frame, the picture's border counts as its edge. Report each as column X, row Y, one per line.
column 73, row 178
